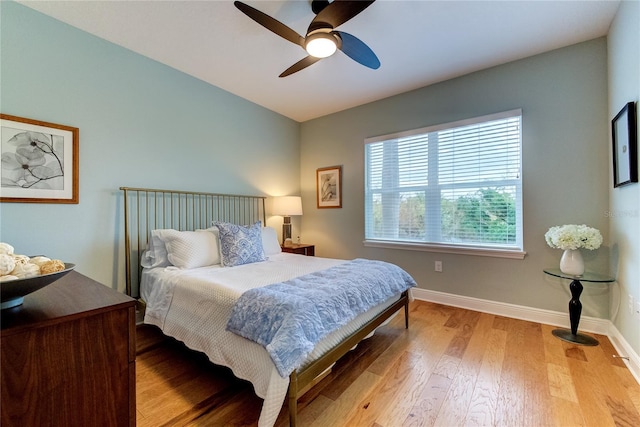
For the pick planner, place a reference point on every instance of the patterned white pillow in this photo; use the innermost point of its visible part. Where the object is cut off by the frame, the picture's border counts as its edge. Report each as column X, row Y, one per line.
column 191, row 249
column 240, row 244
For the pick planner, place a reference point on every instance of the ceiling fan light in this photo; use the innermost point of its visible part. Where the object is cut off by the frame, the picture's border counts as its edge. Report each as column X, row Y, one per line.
column 321, row 45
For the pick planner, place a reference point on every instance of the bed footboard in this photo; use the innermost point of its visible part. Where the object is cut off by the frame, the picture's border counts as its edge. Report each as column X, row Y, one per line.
column 299, row 380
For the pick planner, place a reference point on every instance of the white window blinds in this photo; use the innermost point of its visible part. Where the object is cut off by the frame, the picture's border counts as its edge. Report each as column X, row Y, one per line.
column 455, row 184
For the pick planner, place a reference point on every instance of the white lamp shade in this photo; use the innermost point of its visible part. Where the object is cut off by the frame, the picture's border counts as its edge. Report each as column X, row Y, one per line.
column 287, row 205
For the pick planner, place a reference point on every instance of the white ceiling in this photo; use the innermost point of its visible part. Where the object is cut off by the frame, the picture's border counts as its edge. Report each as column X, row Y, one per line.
column 418, row 43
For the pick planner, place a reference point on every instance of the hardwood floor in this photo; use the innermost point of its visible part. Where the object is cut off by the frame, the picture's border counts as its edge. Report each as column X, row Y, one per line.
column 452, row 367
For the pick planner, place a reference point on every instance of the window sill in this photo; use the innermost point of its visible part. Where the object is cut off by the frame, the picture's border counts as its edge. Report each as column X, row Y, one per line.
column 448, row 249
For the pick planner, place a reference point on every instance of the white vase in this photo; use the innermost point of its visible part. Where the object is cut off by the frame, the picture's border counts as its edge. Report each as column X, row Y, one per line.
column 572, row 262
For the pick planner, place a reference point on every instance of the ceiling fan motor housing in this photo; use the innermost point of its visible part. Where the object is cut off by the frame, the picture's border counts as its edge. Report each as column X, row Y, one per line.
column 318, row 5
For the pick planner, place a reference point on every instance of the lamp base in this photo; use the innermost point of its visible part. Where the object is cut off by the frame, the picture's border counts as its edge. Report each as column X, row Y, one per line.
column 286, row 230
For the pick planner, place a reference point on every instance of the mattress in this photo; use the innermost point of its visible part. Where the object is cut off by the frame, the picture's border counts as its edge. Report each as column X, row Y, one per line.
column 193, row 306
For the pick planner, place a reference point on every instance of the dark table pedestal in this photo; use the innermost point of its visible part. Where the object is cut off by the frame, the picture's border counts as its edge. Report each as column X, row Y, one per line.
column 575, row 306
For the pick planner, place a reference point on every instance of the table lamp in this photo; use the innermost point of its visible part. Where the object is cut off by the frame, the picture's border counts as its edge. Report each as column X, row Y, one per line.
column 287, row 206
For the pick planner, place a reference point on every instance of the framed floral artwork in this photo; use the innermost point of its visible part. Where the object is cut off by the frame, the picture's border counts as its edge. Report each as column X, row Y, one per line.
column 625, row 146
column 39, row 161
column 329, row 187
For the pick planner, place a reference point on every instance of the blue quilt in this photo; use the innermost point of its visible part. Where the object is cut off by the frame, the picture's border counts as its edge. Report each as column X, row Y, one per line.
column 289, row 318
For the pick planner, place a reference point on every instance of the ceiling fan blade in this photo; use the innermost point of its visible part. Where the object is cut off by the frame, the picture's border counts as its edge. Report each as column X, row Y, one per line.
column 270, row 23
column 338, row 12
column 357, row 50
column 302, row 64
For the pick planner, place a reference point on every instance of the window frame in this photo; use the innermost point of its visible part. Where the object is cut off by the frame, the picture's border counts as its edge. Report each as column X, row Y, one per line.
column 515, row 251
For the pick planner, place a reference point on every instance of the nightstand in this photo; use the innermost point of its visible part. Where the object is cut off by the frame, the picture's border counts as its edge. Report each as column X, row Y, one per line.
column 300, row 249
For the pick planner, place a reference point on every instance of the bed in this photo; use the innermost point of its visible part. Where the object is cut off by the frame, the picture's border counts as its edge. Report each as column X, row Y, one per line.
column 172, row 267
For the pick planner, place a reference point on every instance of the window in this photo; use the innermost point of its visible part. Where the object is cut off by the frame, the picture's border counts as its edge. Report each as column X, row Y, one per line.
column 455, row 187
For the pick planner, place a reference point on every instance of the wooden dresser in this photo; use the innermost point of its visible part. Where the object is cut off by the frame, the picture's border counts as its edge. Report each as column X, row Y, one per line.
column 68, row 357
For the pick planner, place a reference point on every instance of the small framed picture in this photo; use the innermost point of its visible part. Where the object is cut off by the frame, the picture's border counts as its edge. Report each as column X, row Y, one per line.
column 39, row 161
column 625, row 146
column 329, row 187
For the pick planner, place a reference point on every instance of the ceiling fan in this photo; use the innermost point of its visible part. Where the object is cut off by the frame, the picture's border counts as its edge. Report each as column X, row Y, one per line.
column 321, row 40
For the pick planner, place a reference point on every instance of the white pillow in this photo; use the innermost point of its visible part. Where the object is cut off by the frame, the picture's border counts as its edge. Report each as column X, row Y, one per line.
column 156, row 253
column 191, row 249
column 270, row 241
column 216, row 233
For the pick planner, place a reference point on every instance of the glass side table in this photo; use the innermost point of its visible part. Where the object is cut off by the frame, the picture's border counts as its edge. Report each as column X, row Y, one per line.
column 575, row 306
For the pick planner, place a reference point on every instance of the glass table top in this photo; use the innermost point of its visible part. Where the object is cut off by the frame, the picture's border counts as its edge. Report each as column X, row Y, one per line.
column 586, row 277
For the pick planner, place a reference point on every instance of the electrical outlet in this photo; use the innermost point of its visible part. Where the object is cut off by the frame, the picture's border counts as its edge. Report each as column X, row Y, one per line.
column 438, row 266
column 637, row 313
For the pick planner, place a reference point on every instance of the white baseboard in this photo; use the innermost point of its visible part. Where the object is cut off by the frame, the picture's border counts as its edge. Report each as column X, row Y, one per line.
column 624, row 349
column 547, row 317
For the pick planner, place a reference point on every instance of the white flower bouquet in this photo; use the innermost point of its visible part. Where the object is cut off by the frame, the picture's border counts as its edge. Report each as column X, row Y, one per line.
column 571, row 237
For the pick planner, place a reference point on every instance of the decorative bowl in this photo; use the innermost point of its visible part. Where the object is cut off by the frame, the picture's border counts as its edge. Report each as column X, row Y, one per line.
column 12, row 292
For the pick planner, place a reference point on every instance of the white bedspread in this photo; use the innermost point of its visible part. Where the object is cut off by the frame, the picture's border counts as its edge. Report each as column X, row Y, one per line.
column 194, row 306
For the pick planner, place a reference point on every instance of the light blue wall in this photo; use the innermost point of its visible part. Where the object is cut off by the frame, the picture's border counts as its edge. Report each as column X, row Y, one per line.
column 563, row 96
column 141, row 124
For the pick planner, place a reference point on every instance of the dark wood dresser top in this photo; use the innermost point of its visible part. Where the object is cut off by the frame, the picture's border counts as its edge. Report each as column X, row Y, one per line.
column 73, row 295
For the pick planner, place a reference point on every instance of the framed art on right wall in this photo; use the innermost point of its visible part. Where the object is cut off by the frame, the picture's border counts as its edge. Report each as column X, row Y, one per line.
column 624, row 136
column 329, row 187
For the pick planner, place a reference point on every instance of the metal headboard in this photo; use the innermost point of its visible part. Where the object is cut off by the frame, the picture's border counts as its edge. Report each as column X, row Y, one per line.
column 147, row 209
